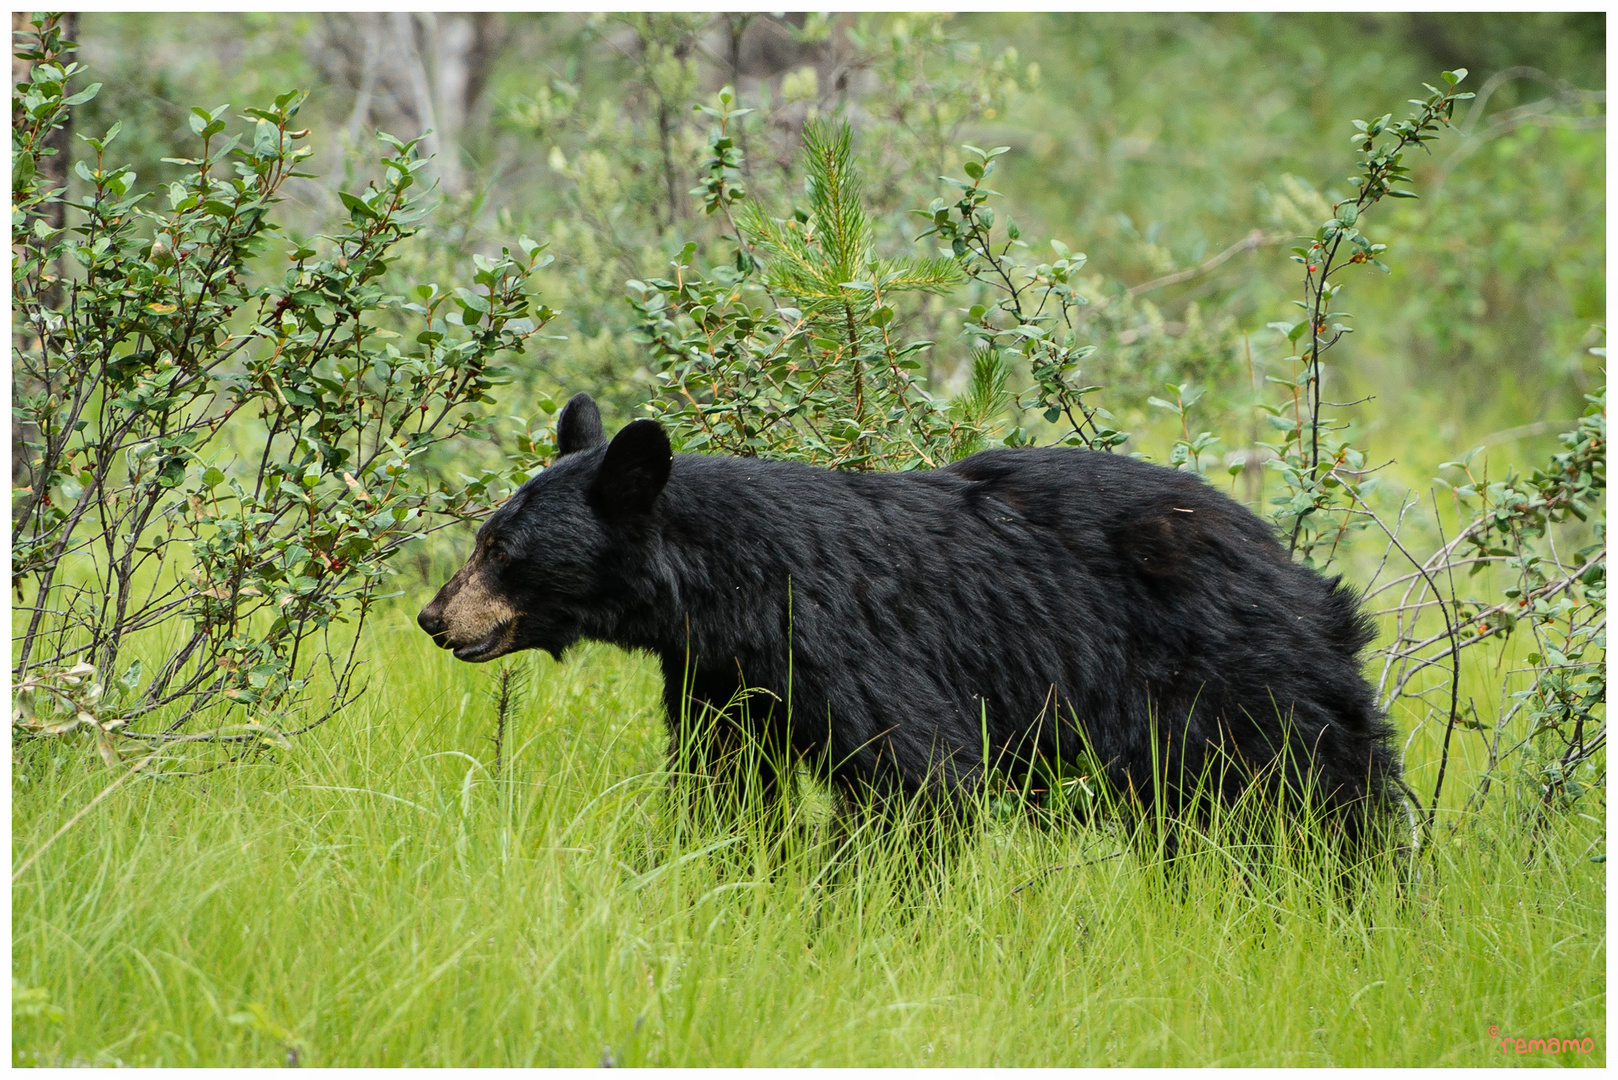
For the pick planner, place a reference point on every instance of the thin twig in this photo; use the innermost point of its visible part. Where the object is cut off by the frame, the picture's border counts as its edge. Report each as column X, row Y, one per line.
column 108, row 790
column 1455, row 676
column 1048, row 871
column 1251, row 242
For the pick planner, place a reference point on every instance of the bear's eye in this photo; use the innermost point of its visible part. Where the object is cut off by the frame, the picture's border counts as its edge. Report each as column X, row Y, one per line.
column 498, row 551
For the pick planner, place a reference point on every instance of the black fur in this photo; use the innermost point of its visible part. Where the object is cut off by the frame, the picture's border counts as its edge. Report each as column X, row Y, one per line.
column 1052, row 596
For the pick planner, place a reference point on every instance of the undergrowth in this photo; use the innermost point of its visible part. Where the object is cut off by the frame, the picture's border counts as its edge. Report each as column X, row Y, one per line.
column 381, row 897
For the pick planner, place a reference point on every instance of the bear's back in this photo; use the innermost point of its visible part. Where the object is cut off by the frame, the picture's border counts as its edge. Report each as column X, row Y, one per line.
column 1007, row 589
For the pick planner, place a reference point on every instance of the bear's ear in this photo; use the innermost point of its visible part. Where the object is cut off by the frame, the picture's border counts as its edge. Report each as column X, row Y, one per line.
column 635, row 469
column 579, row 426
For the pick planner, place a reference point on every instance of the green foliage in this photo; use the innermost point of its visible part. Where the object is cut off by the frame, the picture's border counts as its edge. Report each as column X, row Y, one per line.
column 1325, row 496
column 1020, row 318
column 602, row 127
column 1483, row 326
column 1313, row 487
column 934, row 85
column 1188, row 449
column 821, row 377
column 827, row 379
column 1116, row 140
column 1561, row 600
column 143, row 345
column 824, row 261
column 722, row 180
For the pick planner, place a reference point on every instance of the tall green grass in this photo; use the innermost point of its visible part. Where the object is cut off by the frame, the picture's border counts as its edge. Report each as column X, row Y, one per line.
column 374, row 895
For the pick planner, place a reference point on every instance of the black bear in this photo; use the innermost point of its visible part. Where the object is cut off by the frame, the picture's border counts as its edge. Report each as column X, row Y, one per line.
column 917, row 630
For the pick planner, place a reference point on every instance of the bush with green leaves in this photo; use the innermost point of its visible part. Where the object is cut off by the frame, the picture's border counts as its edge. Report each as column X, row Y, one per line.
column 223, row 432
column 817, row 373
column 1315, row 486
column 1329, row 491
column 1555, row 723
column 620, row 150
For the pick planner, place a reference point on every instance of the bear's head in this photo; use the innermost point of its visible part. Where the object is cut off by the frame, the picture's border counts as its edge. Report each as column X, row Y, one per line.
column 543, row 572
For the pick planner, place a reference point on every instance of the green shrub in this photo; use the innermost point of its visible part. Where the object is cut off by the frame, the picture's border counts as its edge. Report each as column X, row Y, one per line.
column 219, row 459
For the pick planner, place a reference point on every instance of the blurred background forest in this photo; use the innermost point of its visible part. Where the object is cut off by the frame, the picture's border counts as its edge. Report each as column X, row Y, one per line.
column 1183, row 153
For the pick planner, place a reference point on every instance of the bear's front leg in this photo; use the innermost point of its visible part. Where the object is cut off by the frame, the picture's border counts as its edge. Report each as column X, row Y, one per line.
column 905, row 822
column 724, row 757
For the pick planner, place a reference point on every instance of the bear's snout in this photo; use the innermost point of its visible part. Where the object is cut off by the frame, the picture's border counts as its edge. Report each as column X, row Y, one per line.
column 433, row 622
column 470, row 616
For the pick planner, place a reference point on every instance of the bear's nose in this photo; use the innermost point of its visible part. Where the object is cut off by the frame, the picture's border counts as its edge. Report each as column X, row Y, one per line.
column 430, row 622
